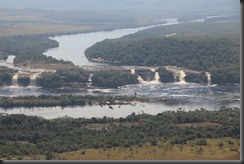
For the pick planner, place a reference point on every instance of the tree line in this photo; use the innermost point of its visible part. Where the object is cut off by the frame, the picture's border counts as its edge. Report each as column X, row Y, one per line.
column 65, row 100
column 215, row 52
column 29, row 48
column 23, row 135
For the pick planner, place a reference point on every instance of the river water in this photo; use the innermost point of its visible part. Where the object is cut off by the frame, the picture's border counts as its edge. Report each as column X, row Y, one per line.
column 172, row 96
column 72, row 47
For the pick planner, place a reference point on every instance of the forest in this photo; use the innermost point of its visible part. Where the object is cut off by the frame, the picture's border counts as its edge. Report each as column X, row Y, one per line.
column 66, row 100
column 6, row 75
column 28, row 48
column 165, row 75
column 31, row 136
column 199, row 51
column 113, row 79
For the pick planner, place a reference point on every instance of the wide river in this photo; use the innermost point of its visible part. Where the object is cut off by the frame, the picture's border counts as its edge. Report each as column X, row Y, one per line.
column 72, row 47
column 188, row 96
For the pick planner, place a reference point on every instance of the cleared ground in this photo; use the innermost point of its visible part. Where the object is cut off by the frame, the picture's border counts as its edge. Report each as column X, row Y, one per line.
column 163, row 151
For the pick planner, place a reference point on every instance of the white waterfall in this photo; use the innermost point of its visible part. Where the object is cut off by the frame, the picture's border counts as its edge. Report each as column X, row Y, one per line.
column 89, row 80
column 209, row 77
column 33, row 79
column 140, row 79
column 14, row 80
column 182, row 77
column 156, row 79
column 133, row 71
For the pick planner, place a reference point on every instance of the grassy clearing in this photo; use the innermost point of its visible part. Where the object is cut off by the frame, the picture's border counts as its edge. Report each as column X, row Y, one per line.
column 199, row 124
column 216, row 149
column 40, row 28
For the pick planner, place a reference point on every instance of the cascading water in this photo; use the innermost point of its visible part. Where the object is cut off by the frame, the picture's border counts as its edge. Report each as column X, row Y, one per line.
column 133, row 71
column 14, row 80
column 209, row 78
column 33, row 79
column 156, row 79
column 182, row 77
column 89, row 80
column 140, row 79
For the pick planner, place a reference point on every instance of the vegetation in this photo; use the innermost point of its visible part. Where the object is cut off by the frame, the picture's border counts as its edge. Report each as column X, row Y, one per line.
column 228, row 74
column 62, row 77
column 5, row 79
column 34, row 21
column 3, row 56
column 196, row 77
column 49, row 80
column 199, row 51
column 6, row 75
column 23, row 81
column 32, row 136
column 64, row 100
column 29, row 48
column 73, row 75
column 76, row 76
column 165, row 75
column 146, row 74
column 163, row 151
column 113, row 79
column 216, row 28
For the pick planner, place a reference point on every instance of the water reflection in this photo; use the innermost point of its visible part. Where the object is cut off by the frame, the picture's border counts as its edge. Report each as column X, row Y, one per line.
column 171, row 96
column 115, row 111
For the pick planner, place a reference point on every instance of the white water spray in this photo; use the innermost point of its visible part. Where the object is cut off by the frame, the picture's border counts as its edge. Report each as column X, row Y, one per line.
column 14, row 80
column 182, row 77
column 209, row 78
column 156, row 79
column 33, row 79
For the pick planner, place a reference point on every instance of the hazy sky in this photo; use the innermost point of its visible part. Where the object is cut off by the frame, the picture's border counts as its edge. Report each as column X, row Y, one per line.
column 121, row 4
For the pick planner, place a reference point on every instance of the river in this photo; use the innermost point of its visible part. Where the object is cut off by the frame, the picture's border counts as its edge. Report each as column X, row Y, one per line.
column 172, row 96
column 72, row 47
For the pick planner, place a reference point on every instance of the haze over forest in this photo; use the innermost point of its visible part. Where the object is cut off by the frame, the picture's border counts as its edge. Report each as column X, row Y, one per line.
column 166, row 5
column 120, row 79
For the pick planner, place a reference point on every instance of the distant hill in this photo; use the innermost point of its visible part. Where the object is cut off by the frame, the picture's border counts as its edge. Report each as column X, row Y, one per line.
column 165, row 5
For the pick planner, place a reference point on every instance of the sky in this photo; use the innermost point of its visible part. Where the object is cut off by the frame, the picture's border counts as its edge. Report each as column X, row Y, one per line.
column 192, row 5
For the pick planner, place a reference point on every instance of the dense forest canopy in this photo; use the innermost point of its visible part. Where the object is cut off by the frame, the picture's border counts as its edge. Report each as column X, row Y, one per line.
column 28, row 48
column 113, row 79
column 31, row 135
column 6, row 75
column 208, row 47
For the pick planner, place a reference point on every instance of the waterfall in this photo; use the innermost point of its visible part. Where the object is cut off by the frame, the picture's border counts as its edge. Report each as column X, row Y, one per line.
column 209, row 77
column 33, row 79
column 182, row 77
column 89, row 80
column 14, row 80
column 140, row 79
column 10, row 59
column 156, row 78
column 133, row 71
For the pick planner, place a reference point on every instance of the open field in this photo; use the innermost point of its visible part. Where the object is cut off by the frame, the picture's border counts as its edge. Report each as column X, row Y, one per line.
column 31, row 21
column 163, row 151
column 40, row 28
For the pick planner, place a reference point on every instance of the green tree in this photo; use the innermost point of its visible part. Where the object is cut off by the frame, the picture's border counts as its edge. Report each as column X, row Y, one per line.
column 165, row 75
column 50, row 80
column 23, row 81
